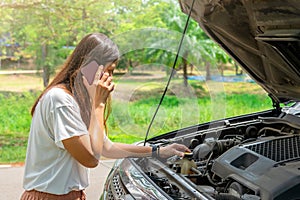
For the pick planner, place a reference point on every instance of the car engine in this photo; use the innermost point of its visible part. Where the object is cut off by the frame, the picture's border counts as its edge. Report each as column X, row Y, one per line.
column 257, row 158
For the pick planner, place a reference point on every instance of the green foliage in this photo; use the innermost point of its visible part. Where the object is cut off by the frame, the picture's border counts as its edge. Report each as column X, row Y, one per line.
column 169, row 101
column 128, row 122
column 50, row 25
column 55, row 24
column 246, row 103
column 13, row 151
column 15, row 112
column 14, row 125
column 133, row 119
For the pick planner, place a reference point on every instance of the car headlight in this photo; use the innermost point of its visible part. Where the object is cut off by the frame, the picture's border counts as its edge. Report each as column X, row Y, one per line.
column 127, row 182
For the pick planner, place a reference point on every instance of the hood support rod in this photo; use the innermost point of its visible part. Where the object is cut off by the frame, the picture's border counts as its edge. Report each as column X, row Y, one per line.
column 173, row 68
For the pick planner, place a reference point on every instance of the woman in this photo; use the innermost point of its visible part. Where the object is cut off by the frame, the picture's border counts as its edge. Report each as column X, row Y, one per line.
column 67, row 134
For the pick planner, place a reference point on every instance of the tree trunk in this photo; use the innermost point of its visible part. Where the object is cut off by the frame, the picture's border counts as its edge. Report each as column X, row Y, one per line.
column 185, row 65
column 222, row 67
column 208, row 75
column 46, row 70
column 130, row 67
column 192, row 69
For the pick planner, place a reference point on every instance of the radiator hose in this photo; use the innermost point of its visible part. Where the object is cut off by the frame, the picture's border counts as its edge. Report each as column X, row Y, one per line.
column 213, row 145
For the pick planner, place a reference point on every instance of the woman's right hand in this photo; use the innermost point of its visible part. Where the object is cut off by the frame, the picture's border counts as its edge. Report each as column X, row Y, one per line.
column 173, row 149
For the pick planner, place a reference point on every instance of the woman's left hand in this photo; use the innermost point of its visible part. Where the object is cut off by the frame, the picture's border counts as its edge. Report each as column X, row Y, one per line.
column 100, row 89
column 173, row 149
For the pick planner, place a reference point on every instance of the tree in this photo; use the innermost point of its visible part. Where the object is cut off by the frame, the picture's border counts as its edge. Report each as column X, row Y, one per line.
column 47, row 26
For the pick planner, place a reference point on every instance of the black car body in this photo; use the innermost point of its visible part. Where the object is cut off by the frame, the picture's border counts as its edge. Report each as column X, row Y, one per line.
column 254, row 156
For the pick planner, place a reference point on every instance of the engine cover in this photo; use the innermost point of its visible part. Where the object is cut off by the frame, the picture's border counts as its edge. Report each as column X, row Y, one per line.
column 269, row 167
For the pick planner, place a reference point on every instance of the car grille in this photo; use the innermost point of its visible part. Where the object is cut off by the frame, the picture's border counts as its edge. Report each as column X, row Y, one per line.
column 116, row 189
column 279, row 150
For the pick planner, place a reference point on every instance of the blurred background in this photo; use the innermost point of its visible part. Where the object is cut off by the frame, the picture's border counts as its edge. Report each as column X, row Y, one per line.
column 37, row 36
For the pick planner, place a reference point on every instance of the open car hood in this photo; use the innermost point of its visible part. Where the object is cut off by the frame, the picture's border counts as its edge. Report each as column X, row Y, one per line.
column 261, row 35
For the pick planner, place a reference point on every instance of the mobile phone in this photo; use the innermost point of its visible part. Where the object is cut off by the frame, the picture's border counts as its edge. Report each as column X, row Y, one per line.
column 89, row 71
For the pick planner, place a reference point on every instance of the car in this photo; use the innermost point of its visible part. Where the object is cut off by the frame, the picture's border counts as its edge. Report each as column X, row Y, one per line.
column 253, row 156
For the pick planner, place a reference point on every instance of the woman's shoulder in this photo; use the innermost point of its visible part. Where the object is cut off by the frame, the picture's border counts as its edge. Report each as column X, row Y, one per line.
column 59, row 96
column 57, row 92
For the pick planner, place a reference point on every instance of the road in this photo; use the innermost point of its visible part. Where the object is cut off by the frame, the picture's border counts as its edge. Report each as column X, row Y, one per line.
column 11, row 181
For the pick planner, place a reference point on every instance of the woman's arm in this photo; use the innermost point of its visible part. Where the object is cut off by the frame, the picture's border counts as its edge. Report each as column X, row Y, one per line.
column 86, row 149
column 121, row 150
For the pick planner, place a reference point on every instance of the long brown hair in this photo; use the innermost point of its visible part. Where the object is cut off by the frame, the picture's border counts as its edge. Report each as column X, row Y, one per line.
column 94, row 46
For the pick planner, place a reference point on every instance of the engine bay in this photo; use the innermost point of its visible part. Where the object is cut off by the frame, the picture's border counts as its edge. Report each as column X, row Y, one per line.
column 251, row 159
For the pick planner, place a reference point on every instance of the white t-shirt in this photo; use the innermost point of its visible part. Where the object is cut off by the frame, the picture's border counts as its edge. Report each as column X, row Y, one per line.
column 49, row 167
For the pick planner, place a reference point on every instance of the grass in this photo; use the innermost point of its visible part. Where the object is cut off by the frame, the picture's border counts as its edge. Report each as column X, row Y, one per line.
column 133, row 119
column 14, row 125
column 130, row 119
